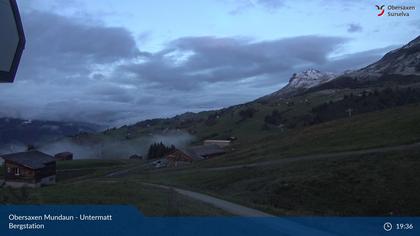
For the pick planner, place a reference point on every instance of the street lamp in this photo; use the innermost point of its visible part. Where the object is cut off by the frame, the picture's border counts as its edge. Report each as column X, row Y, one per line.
column 12, row 40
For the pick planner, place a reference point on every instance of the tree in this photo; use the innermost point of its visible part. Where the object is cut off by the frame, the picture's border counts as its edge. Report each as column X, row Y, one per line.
column 247, row 113
column 159, row 150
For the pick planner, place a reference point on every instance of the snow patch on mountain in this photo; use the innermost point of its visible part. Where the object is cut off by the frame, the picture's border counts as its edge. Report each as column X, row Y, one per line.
column 302, row 81
column 310, row 78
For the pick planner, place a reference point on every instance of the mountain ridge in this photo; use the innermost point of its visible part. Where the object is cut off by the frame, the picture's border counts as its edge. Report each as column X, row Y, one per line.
column 401, row 61
column 300, row 82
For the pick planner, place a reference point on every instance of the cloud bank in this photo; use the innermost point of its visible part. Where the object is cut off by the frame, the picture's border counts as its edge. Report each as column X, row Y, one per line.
column 78, row 70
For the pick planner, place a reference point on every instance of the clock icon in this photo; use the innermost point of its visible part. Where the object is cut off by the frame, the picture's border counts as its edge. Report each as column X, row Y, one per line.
column 387, row 226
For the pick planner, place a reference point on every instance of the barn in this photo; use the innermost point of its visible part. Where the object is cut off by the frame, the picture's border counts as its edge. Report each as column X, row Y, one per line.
column 182, row 157
column 220, row 143
column 208, row 151
column 64, row 156
column 31, row 169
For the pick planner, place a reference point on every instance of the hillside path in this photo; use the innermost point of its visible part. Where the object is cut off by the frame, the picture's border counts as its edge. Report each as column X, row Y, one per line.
column 281, row 225
column 230, row 207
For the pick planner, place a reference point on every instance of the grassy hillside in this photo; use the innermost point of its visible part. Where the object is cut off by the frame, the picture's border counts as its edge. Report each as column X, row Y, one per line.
column 382, row 183
column 278, row 119
column 378, row 129
column 372, row 184
column 221, row 123
column 86, row 185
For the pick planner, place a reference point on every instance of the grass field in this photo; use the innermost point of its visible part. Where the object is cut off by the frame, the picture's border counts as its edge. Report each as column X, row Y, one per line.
column 374, row 184
column 81, row 169
column 369, row 184
column 83, row 182
column 151, row 201
column 377, row 129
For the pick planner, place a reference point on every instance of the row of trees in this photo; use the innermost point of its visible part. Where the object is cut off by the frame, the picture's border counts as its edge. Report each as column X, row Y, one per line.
column 159, row 150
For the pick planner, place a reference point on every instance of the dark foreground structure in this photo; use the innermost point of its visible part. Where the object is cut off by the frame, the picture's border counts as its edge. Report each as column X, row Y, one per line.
column 29, row 169
column 64, row 156
column 181, row 157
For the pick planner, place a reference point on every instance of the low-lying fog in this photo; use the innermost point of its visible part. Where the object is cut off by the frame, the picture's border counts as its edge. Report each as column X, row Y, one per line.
column 120, row 149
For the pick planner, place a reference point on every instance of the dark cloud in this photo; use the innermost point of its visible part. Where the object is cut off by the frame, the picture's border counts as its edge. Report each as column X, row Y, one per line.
column 82, row 71
column 354, row 28
column 64, row 74
column 188, row 63
column 57, row 45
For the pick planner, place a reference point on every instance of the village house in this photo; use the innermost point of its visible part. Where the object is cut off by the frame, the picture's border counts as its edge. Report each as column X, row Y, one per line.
column 31, row 169
column 208, row 151
column 220, row 143
column 64, row 156
column 135, row 157
column 182, row 157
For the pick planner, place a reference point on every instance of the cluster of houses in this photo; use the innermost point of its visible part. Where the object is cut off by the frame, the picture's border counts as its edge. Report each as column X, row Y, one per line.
column 182, row 157
column 34, row 168
column 31, row 168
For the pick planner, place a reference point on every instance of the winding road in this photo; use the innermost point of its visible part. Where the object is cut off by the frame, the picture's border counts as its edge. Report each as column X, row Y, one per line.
column 233, row 208
column 283, row 226
column 240, row 210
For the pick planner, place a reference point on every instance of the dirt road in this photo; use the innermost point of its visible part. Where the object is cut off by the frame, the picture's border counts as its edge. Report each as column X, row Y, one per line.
column 230, row 207
column 281, row 225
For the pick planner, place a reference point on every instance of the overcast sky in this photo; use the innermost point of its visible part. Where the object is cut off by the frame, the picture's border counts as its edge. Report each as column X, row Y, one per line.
column 114, row 62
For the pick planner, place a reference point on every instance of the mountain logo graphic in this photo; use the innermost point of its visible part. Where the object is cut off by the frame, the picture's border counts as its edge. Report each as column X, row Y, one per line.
column 380, row 9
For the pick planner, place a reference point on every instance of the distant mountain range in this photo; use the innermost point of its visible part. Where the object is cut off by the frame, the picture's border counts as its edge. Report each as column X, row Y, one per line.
column 18, row 131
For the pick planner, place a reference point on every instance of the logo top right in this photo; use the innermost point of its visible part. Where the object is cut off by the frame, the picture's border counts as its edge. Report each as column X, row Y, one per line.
column 395, row 10
column 381, row 10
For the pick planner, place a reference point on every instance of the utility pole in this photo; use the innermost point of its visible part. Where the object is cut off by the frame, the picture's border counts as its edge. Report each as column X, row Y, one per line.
column 349, row 111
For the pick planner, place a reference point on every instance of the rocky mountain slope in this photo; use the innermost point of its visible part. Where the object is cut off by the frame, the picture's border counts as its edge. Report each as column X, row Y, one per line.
column 398, row 67
column 302, row 81
column 402, row 61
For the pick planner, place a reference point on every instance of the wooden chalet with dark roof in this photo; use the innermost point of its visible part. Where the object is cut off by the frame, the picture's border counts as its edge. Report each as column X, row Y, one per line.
column 182, row 157
column 31, row 169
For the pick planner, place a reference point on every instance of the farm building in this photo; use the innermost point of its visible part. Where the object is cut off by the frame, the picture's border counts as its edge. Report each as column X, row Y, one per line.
column 220, row 143
column 182, row 157
column 208, row 151
column 31, row 169
column 135, row 157
column 64, row 156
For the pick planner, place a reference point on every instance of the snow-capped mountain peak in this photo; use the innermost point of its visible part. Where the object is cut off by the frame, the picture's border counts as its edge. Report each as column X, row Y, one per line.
column 302, row 81
column 310, row 78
